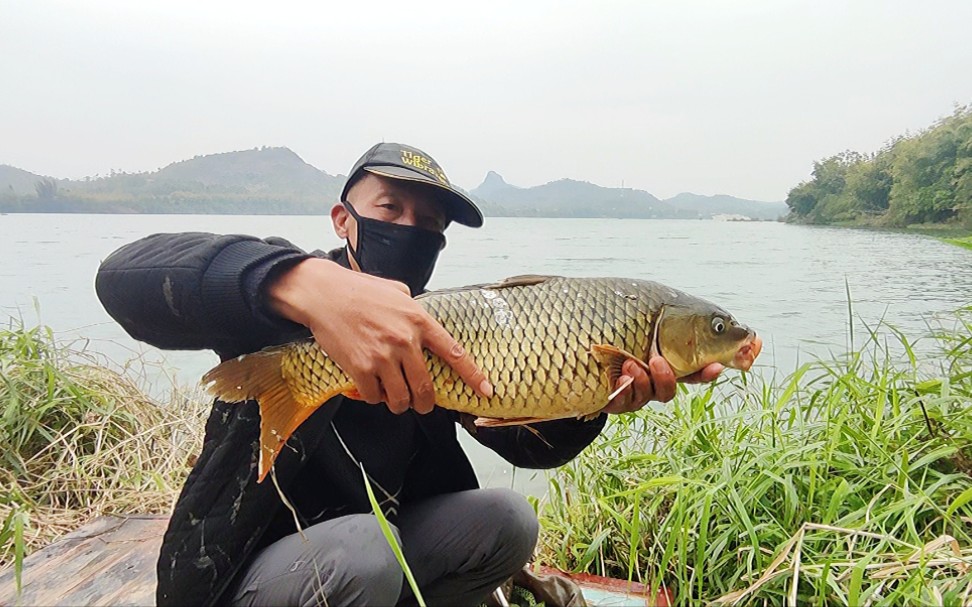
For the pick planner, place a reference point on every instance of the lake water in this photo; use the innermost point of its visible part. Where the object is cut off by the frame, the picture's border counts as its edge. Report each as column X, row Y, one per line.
column 787, row 282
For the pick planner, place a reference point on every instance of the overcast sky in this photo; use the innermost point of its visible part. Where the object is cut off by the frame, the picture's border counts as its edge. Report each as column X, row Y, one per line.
column 710, row 97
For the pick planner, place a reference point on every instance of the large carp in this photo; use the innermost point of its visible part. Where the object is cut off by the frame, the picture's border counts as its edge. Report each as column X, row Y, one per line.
column 551, row 346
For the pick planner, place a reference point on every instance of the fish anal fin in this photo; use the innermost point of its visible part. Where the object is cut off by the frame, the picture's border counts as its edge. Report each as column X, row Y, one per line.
column 496, row 422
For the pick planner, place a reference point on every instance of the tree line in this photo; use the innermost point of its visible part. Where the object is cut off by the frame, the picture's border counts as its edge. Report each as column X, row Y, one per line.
column 917, row 179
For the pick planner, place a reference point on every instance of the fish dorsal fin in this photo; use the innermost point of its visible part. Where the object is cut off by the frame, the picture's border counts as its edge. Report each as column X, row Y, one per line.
column 513, row 281
column 523, row 280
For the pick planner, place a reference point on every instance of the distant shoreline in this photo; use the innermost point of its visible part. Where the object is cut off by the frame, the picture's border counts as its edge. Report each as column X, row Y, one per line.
column 323, row 211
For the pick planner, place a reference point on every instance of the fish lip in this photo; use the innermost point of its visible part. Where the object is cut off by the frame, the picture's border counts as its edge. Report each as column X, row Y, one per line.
column 746, row 354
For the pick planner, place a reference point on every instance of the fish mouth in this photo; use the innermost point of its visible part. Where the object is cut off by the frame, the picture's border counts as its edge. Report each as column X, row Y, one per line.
column 747, row 353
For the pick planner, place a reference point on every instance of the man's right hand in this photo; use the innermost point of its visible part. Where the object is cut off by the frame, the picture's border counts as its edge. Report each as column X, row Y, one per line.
column 374, row 331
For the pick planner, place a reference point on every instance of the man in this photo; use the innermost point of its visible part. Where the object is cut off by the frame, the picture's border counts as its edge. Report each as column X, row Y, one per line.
column 308, row 536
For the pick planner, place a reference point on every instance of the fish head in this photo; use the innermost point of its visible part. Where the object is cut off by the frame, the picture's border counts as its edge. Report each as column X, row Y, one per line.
column 694, row 335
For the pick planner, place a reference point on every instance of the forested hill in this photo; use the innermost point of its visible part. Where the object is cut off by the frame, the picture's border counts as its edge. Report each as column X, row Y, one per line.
column 278, row 181
column 259, row 181
column 917, row 179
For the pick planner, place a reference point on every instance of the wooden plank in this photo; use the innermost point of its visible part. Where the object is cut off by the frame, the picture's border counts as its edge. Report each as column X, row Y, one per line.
column 611, row 592
column 109, row 561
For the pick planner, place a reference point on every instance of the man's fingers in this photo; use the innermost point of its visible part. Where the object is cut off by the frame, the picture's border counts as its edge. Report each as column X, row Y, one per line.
column 706, row 375
column 637, row 393
column 641, row 389
column 439, row 342
column 370, row 389
column 663, row 379
column 419, row 382
column 397, row 396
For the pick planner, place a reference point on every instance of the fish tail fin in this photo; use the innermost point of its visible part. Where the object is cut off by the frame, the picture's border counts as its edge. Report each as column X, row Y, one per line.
column 258, row 377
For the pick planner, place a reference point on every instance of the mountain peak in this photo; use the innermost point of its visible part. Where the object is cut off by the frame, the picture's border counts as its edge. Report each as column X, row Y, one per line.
column 492, row 185
column 493, row 179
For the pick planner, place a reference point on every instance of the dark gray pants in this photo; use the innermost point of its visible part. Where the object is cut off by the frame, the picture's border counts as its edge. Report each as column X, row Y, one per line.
column 459, row 547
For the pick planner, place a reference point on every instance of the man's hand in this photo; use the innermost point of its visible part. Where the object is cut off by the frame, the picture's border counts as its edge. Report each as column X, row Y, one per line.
column 374, row 331
column 660, row 385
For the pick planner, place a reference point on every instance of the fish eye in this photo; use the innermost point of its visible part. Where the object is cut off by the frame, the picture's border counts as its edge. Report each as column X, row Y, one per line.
column 718, row 325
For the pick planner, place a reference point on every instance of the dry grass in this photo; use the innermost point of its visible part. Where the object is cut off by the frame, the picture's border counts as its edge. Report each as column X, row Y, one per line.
column 81, row 440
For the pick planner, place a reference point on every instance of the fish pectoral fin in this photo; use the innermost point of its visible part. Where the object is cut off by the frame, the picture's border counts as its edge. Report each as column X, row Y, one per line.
column 627, row 382
column 612, row 359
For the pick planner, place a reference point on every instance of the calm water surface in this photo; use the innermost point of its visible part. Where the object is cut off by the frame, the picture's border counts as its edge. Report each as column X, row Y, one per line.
column 788, row 282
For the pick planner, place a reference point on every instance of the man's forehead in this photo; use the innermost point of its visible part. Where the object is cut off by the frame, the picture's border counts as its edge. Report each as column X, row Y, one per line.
column 421, row 194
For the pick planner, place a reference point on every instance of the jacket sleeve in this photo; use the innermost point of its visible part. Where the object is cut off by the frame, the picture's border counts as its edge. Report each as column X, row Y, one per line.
column 195, row 290
column 542, row 445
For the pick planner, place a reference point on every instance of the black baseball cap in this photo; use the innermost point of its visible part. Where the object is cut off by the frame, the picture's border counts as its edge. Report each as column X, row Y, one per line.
column 398, row 161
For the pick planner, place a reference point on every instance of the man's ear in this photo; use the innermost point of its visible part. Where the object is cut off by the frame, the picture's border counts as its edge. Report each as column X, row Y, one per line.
column 339, row 219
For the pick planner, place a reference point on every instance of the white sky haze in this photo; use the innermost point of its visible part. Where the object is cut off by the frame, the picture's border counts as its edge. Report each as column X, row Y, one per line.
column 710, row 97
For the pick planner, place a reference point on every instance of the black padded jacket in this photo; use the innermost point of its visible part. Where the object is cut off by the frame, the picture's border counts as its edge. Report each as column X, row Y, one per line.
column 204, row 291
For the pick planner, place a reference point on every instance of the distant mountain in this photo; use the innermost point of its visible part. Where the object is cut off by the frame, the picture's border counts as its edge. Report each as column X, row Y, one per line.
column 14, row 181
column 569, row 198
column 259, row 181
column 708, row 206
column 275, row 180
column 272, row 170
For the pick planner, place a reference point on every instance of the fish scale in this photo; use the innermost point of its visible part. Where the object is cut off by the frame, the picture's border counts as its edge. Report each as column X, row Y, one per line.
column 525, row 329
column 551, row 346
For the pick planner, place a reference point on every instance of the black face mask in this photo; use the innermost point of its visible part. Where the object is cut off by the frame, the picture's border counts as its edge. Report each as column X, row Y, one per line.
column 398, row 252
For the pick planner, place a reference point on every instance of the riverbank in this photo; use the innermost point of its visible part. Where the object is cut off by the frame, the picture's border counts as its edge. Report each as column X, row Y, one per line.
column 965, row 243
column 954, row 233
column 846, row 482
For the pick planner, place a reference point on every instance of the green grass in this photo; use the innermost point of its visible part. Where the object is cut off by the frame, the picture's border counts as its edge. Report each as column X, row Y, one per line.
column 80, row 440
column 844, row 483
column 962, row 242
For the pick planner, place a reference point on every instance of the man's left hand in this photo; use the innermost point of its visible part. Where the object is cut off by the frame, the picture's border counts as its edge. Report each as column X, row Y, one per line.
column 659, row 385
